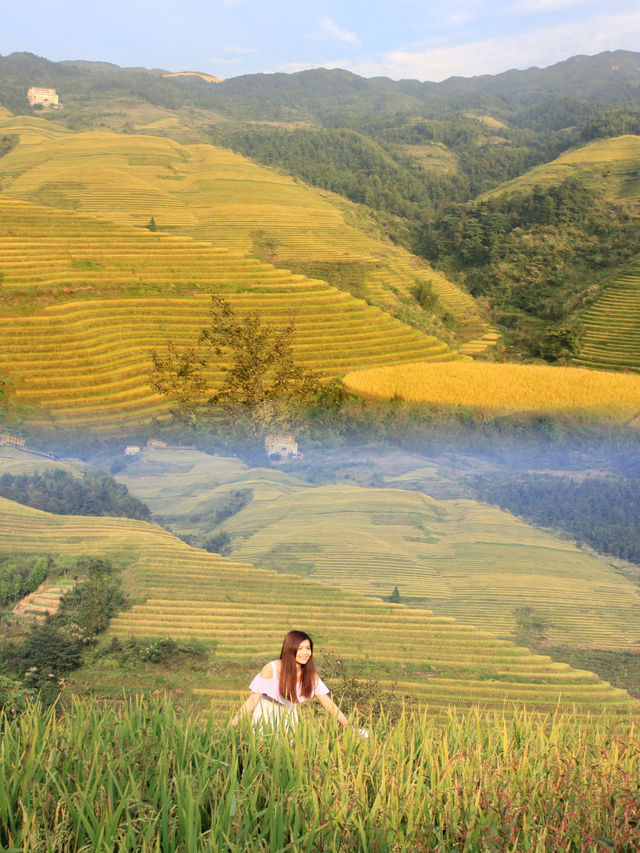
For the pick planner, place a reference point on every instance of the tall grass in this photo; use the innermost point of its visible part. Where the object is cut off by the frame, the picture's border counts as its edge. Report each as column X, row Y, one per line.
column 147, row 777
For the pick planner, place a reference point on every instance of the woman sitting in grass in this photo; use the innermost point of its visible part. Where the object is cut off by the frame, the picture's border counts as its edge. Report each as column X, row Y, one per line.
column 283, row 684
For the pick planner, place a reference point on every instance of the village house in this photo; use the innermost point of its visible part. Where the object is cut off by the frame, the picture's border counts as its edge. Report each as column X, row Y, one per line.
column 281, row 445
column 155, row 442
column 43, row 97
column 12, row 440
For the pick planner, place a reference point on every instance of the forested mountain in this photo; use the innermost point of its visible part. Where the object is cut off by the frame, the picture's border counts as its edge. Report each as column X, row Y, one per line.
column 612, row 77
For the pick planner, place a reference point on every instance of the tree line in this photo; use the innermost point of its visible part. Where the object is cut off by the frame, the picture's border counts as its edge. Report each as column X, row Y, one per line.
column 57, row 491
column 21, row 574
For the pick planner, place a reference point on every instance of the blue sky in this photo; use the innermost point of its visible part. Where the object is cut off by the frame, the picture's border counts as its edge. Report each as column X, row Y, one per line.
column 399, row 39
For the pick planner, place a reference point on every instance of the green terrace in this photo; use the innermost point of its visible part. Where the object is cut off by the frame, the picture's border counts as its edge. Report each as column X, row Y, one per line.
column 184, row 592
column 610, row 327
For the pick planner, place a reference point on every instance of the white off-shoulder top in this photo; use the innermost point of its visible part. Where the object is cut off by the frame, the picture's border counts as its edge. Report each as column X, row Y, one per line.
column 270, row 688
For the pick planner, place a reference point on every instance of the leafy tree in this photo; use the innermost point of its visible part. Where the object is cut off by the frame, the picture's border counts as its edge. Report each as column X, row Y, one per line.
column 20, row 574
column 262, row 388
column 41, row 659
column 219, row 544
column 425, row 296
column 179, row 377
column 84, row 612
column 4, row 397
column 7, row 143
column 262, row 384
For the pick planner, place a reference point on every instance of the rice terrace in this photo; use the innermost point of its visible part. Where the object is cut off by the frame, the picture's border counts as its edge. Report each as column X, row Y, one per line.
column 352, row 356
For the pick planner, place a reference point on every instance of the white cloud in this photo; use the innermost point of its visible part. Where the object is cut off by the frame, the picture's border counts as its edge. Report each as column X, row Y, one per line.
column 457, row 19
column 333, row 30
column 542, row 47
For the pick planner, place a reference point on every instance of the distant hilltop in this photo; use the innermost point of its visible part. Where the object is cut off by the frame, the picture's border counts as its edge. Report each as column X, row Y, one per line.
column 208, row 77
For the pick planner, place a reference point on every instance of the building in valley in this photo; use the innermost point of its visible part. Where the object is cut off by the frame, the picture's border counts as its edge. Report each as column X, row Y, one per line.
column 281, row 445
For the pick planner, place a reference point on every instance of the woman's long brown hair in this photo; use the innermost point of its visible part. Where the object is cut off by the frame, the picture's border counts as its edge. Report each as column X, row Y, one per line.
column 288, row 672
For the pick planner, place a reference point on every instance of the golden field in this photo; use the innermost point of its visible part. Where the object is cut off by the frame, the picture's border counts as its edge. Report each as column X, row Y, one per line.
column 507, row 387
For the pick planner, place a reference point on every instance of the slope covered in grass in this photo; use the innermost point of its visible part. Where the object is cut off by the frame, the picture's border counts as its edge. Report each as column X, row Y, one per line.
column 86, row 301
column 610, row 163
column 610, row 326
column 459, row 557
column 183, row 592
column 212, row 194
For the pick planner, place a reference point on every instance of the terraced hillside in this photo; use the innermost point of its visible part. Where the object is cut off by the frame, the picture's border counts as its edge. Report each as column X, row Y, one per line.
column 611, row 327
column 214, row 195
column 459, row 557
column 611, row 163
column 86, row 301
column 183, row 592
column 462, row 558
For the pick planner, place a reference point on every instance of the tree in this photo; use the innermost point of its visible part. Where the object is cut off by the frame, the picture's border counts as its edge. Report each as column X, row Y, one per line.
column 4, row 397
column 262, row 387
column 262, row 384
column 179, row 377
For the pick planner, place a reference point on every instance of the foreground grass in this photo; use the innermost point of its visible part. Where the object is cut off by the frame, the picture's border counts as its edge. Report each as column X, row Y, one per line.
column 146, row 777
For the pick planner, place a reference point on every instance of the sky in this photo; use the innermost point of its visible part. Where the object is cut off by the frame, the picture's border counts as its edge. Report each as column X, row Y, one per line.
column 418, row 39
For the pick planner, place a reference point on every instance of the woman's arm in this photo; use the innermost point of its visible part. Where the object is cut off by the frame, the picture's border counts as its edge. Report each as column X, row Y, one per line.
column 247, row 708
column 328, row 704
column 268, row 671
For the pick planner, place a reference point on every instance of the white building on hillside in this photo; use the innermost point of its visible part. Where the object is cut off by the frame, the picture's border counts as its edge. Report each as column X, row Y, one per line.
column 281, row 445
column 44, row 97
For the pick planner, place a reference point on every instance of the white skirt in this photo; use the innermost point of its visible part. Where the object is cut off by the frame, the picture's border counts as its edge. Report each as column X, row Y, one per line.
column 270, row 717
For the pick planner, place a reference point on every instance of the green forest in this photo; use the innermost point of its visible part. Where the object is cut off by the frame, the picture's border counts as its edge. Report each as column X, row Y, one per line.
column 57, row 491
column 536, row 256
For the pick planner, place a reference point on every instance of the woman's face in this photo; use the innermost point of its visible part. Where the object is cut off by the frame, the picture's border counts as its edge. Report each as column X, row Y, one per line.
column 304, row 652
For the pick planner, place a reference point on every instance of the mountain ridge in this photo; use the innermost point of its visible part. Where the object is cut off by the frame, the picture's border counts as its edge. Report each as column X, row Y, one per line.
column 613, row 75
